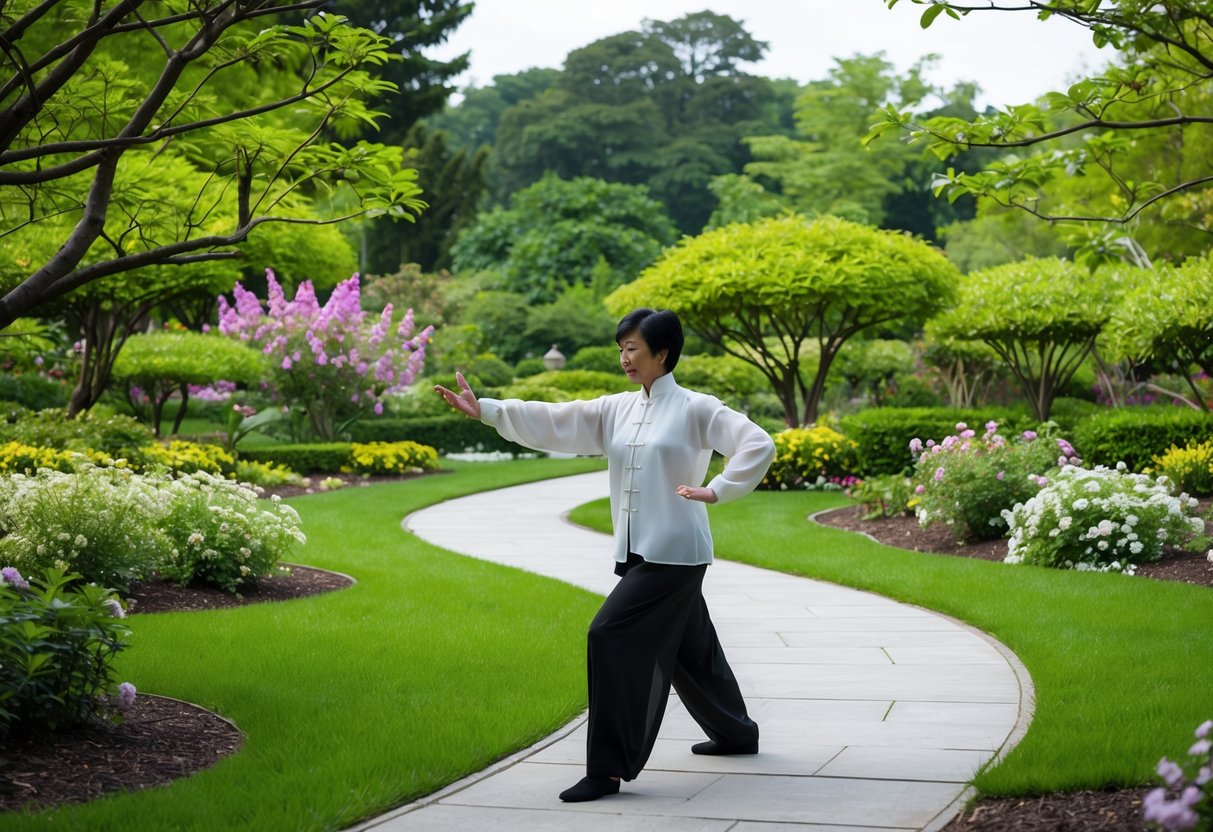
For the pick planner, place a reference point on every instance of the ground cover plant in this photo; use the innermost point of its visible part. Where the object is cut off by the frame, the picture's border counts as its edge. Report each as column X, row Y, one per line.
column 1113, row 674
column 429, row 668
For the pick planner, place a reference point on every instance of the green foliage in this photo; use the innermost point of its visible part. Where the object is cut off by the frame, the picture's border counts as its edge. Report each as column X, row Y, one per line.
column 574, row 320
column 37, row 392
column 554, row 233
column 188, row 457
column 1122, row 147
column 534, row 366
column 319, row 458
column 215, row 180
column 1040, row 316
column 265, row 474
column 726, row 377
column 817, row 457
column 602, row 359
column 566, row 385
column 889, row 495
column 392, row 458
column 1189, row 467
column 473, row 124
column 447, row 433
column 1101, row 519
column 884, row 434
column 218, row 532
column 968, row 482
column 1167, row 316
column 770, row 291
column 99, row 521
column 58, row 639
column 164, row 363
column 870, row 366
column 1135, row 435
column 120, row 437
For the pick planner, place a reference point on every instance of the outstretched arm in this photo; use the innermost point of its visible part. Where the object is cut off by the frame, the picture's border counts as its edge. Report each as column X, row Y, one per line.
column 464, row 401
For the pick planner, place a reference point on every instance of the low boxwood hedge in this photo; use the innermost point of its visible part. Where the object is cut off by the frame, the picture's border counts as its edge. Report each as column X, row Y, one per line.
column 448, row 434
column 1135, row 435
column 319, row 458
column 883, row 434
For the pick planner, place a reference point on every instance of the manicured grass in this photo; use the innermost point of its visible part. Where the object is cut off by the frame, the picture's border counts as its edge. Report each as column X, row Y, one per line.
column 1120, row 665
column 431, row 667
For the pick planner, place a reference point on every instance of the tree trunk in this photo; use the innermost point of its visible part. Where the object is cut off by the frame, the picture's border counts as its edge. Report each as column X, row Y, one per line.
column 185, row 400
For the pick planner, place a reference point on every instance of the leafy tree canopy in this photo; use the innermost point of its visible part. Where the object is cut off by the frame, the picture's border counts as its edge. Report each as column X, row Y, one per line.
column 137, row 136
column 556, row 233
column 774, row 291
column 1139, row 130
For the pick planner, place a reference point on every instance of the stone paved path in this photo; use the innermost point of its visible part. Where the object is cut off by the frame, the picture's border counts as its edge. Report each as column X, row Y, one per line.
column 874, row 714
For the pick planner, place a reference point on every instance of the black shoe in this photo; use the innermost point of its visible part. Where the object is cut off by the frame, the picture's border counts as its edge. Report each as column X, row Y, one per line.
column 590, row 788
column 715, row 749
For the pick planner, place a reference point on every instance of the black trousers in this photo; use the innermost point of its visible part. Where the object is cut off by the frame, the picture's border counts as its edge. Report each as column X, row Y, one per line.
column 653, row 631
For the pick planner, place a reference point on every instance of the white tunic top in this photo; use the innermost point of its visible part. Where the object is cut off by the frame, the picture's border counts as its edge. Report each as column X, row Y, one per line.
column 653, row 442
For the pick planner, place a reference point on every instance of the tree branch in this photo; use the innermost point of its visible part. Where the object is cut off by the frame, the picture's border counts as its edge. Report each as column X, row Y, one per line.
column 1122, row 220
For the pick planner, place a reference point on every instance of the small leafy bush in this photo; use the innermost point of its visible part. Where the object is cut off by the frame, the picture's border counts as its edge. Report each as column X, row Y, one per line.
column 724, row 376
column 450, row 433
column 189, row 457
column 219, row 532
column 17, row 457
column 32, row 390
column 119, row 437
column 1135, row 435
column 882, row 432
column 58, row 638
column 1104, row 519
column 968, row 481
column 603, row 359
column 1185, row 802
column 393, row 458
column 890, row 495
column 319, row 458
column 265, row 473
column 1189, row 467
column 97, row 521
column 811, row 458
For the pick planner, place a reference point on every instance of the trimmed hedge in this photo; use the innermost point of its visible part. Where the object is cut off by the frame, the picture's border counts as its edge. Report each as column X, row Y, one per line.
column 319, row 458
column 448, row 434
column 884, row 433
column 1135, row 435
column 33, row 391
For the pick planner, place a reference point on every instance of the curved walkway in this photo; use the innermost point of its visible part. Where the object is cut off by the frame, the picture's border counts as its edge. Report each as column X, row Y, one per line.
column 874, row 714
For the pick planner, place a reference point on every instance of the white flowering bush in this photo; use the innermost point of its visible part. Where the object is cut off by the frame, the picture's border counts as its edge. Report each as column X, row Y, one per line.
column 1186, row 801
column 113, row 526
column 1106, row 519
column 219, row 532
column 97, row 521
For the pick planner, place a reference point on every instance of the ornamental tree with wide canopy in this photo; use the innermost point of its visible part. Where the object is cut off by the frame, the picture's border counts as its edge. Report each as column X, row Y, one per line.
column 778, row 292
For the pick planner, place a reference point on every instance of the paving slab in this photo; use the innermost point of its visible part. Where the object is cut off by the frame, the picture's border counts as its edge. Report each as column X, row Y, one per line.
column 874, row 714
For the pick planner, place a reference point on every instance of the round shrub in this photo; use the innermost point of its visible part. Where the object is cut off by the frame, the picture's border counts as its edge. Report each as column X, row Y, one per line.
column 1189, row 467
column 603, row 359
column 1104, row 519
column 968, row 481
column 392, row 458
column 98, row 521
column 814, row 457
column 58, row 637
column 531, row 367
column 220, row 533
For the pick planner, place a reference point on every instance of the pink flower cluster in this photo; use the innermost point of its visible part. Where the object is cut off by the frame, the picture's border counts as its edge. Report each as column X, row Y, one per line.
column 322, row 350
column 1184, row 811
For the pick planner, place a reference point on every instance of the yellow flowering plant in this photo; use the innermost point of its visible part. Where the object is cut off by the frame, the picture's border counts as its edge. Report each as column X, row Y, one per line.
column 392, row 458
column 816, row 457
column 1189, row 467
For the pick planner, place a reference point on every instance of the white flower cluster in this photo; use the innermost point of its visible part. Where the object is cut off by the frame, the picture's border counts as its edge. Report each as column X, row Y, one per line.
column 113, row 526
column 1099, row 519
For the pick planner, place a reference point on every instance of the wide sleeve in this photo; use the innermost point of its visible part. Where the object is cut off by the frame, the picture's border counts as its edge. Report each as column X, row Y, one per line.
column 748, row 448
column 565, row 427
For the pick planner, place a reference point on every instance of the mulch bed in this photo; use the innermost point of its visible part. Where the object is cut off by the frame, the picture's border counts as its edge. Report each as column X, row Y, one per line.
column 160, row 739
column 1083, row 811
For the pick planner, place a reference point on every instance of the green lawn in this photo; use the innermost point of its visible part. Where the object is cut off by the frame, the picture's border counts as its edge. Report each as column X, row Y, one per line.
column 431, row 667
column 1120, row 665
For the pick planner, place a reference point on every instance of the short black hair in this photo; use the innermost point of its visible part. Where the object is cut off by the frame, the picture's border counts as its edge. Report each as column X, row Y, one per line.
column 660, row 329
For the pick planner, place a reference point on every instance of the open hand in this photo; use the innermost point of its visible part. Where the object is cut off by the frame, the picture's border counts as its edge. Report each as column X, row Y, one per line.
column 463, row 401
column 696, row 493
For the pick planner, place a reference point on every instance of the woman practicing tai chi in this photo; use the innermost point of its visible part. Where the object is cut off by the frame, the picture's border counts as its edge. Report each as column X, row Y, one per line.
column 654, row 628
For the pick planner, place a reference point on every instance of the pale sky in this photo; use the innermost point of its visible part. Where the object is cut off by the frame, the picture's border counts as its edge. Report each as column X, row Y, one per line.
column 1013, row 57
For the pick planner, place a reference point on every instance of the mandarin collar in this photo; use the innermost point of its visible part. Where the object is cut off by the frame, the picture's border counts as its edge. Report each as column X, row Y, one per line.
column 660, row 386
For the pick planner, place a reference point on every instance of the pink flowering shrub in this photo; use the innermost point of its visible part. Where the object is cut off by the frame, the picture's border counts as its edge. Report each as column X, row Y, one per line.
column 967, row 481
column 328, row 361
column 1186, row 801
